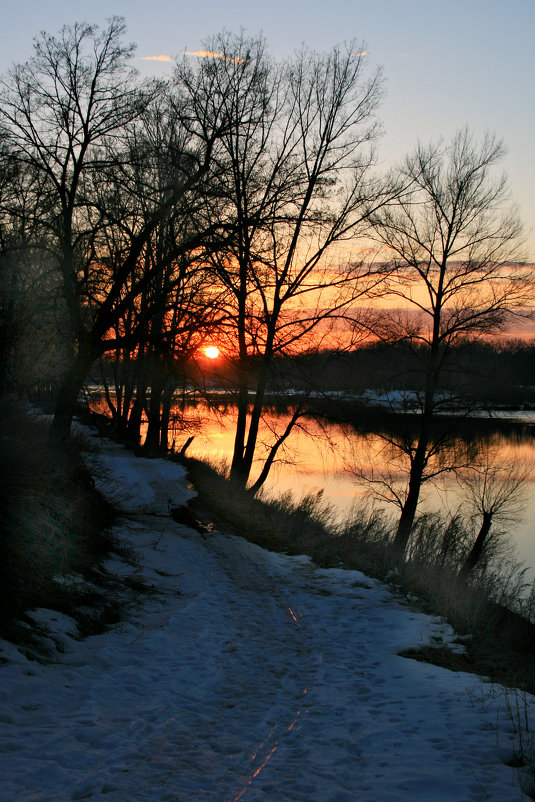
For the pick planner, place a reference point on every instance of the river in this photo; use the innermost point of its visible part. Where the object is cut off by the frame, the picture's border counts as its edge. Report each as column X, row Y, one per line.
column 327, row 457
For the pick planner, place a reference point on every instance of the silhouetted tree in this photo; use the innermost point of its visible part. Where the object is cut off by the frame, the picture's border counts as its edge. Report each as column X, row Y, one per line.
column 452, row 248
column 66, row 113
column 27, row 331
column 57, row 109
column 495, row 487
column 293, row 185
column 168, row 301
column 8, row 324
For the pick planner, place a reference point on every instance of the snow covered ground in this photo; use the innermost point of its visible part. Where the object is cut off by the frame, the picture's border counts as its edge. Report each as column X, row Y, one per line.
column 245, row 675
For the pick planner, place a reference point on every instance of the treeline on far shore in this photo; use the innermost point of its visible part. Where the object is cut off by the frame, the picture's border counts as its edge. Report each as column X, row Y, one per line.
column 490, row 374
column 500, row 373
column 493, row 373
column 352, row 385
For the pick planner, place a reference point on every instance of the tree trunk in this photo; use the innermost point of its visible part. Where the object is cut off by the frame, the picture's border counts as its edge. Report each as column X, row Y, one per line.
column 273, row 452
column 408, row 513
column 254, row 423
column 158, row 375
column 244, row 450
column 136, row 414
column 127, row 401
column 111, row 406
column 133, row 426
column 238, row 472
column 167, row 400
column 477, row 549
column 70, row 387
column 152, row 440
column 419, row 461
column 406, row 520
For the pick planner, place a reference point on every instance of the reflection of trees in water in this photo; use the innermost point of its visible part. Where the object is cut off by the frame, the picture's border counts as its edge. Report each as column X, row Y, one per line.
column 339, row 457
column 382, row 453
column 355, row 432
column 336, row 443
column 329, row 456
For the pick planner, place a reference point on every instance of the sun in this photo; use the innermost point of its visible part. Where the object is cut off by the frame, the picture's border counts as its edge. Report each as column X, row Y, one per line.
column 211, row 352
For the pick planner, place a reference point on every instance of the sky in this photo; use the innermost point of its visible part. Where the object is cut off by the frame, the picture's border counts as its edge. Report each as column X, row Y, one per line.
column 446, row 64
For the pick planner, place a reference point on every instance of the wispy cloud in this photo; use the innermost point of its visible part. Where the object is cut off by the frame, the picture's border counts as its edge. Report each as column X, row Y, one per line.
column 211, row 54
column 156, row 58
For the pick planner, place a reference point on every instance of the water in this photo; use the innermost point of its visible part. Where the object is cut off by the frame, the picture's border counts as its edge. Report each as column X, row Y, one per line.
column 327, row 457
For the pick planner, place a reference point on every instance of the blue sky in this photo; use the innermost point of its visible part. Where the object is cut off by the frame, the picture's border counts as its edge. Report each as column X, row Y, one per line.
column 446, row 62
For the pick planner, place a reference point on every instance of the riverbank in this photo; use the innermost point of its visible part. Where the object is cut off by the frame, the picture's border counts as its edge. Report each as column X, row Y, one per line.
column 500, row 644
column 54, row 526
column 246, row 674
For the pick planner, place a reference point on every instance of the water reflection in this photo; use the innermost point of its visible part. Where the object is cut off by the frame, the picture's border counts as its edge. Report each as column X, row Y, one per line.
column 327, row 457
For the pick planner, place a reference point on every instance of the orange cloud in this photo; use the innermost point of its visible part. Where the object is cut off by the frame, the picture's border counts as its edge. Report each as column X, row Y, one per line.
column 210, row 54
column 156, row 58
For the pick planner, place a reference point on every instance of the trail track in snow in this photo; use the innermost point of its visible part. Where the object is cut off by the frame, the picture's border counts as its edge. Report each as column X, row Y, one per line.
column 245, row 675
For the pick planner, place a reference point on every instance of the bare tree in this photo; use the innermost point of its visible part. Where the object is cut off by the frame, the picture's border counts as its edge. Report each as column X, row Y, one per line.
column 495, row 488
column 294, row 187
column 57, row 109
column 62, row 110
column 9, row 306
column 167, row 302
column 27, row 330
column 452, row 247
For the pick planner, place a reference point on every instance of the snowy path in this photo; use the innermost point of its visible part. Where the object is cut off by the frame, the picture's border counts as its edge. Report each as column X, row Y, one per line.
column 245, row 676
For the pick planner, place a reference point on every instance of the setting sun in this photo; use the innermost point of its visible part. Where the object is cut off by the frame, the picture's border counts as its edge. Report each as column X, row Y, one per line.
column 211, row 352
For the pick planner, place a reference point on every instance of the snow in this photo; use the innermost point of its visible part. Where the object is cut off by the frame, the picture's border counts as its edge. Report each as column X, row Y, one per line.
column 244, row 675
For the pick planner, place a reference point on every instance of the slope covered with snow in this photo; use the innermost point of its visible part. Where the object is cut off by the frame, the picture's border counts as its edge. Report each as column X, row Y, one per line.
column 244, row 675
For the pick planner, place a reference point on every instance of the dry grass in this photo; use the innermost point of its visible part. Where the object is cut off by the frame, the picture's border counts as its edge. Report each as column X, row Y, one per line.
column 53, row 521
column 492, row 610
column 278, row 525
